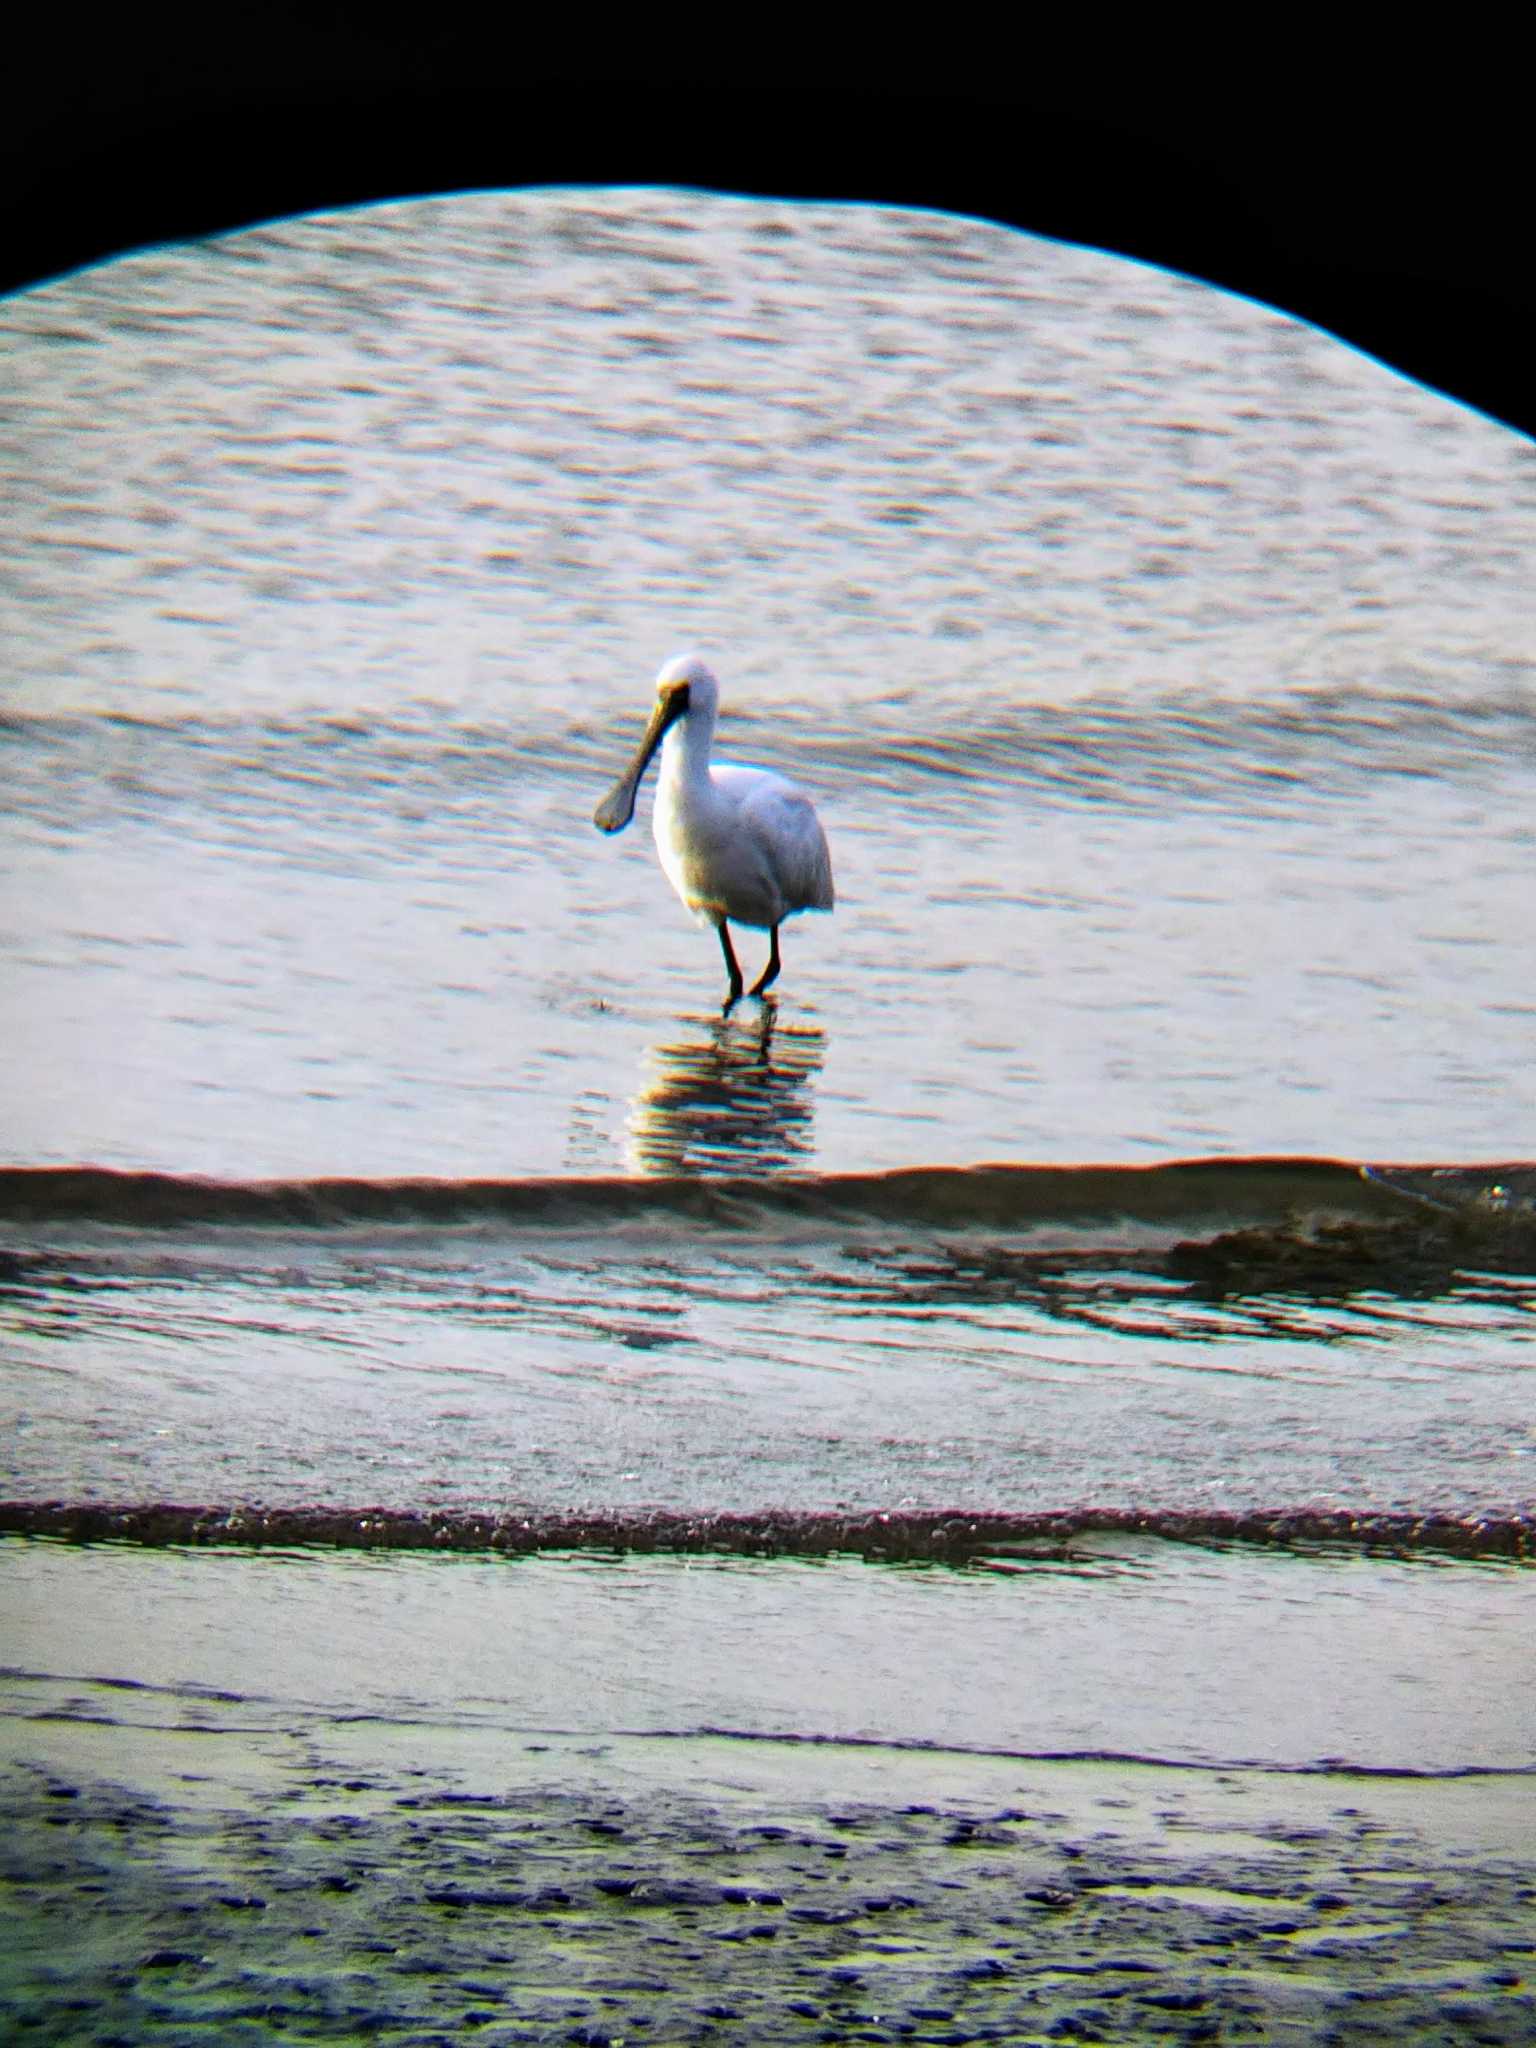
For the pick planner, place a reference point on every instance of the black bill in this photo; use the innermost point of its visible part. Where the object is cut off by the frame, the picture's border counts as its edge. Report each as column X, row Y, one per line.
column 618, row 806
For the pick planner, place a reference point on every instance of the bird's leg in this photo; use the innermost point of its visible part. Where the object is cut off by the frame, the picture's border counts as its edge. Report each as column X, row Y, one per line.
column 732, row 965
column 770, row 973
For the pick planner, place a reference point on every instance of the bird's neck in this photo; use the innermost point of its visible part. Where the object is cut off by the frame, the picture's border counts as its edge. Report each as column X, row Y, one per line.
column 685, row 750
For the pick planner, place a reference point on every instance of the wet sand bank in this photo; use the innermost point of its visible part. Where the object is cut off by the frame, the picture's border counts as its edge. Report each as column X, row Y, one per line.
column 162, row 1888
column 1129, row 1792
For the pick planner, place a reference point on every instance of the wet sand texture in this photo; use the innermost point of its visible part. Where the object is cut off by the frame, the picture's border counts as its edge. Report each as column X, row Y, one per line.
column 367, row 1910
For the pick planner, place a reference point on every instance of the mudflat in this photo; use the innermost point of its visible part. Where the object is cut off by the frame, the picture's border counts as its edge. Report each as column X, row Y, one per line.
column 405, row 1889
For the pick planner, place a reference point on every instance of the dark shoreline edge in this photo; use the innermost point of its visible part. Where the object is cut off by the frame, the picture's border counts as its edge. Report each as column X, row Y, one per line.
column 948, row 1538
column 995, row 1194
column 1301, row 1227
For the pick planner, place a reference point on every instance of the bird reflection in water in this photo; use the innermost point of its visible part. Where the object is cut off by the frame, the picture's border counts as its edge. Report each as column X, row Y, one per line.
column 735, row 1096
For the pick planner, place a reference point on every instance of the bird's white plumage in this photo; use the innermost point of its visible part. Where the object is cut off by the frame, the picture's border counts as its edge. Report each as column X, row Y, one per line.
column 737, row 844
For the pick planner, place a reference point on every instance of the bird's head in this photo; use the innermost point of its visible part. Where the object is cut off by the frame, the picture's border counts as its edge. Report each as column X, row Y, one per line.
column 685, row 688
column 686, row 685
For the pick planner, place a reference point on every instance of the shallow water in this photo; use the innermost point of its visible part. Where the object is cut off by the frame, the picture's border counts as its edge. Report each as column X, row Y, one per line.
column 1004, row 1342
column 1163, row 673
column 1379, row 1664
column 1161, row 667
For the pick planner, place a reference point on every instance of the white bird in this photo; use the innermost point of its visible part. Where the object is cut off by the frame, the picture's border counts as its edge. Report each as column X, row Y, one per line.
column 736, row 843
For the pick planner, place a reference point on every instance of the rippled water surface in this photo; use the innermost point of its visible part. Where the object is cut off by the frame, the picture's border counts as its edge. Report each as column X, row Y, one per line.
column 1163, row 672
column 1162, row 669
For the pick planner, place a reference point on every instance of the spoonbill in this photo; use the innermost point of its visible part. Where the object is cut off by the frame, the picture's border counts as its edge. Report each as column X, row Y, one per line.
column 737, row 844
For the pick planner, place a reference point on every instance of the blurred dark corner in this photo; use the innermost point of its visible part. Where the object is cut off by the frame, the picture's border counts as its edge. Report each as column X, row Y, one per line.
column 1383, row 197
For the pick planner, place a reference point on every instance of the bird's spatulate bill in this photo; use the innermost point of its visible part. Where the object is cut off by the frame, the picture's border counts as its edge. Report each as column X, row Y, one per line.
column 618, row 806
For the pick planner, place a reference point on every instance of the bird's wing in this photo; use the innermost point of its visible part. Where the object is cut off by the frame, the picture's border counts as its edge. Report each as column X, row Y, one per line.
column 783, row 820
